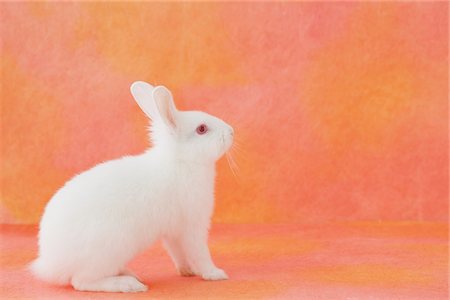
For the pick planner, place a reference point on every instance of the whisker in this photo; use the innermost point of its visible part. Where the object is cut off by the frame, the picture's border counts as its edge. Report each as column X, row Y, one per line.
column 232, row 165
column 238, row 146
column 237, row 143
column 241, row 154
column 233, row 162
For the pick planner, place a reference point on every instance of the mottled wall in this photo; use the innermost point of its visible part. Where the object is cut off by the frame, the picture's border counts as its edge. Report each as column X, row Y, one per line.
column 341, row 110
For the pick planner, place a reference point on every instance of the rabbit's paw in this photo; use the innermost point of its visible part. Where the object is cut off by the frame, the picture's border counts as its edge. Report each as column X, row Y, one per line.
column 124, row 284
column 215, row 274
column 130, row 284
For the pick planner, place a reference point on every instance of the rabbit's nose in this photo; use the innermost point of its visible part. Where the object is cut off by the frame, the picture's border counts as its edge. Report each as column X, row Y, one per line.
column 231, row 131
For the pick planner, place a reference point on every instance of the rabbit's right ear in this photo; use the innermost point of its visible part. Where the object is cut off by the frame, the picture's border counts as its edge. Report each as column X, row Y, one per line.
column 165, row 106
column 142, row 93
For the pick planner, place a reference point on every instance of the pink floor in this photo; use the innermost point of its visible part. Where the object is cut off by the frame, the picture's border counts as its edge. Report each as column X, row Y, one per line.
column 335, row 261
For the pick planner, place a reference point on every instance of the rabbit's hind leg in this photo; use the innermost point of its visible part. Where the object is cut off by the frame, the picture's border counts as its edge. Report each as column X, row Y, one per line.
column 122, row 283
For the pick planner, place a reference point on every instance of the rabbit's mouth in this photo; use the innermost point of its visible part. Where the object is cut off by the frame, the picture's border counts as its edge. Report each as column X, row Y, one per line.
column 227, row 141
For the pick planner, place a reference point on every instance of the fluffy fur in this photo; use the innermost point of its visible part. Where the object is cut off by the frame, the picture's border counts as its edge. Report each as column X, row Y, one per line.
column 100, row 219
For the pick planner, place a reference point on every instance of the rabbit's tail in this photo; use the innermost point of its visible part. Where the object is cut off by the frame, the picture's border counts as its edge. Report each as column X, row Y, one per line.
column 46, row 271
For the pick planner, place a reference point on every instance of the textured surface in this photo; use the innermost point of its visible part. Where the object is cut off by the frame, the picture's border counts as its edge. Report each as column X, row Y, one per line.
column 340, row 109
column 339, row 261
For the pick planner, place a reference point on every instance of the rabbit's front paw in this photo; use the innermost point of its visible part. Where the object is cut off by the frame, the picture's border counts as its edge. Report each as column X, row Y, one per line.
column 215, row 274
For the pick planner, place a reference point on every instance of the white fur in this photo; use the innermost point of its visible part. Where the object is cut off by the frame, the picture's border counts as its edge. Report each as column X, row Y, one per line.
column 100, row 219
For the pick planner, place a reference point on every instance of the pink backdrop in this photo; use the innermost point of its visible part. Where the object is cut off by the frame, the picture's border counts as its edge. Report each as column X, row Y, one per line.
column 341, row 110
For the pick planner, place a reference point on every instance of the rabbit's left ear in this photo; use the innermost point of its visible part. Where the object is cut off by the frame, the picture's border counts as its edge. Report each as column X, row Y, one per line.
column 142, row 93
column 165, row 106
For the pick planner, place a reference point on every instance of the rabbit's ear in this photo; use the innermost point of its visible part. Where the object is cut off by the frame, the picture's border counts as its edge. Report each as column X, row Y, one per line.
column 142, row 93
column 165, row 106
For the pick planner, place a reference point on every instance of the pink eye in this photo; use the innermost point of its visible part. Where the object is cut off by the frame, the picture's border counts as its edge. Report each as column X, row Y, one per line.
column 202, row 129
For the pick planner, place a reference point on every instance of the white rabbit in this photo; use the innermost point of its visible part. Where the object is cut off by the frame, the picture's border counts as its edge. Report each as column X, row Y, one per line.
column 100, row 219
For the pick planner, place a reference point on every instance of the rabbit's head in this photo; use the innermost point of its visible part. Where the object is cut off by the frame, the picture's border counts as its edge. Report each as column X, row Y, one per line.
column 188, row 135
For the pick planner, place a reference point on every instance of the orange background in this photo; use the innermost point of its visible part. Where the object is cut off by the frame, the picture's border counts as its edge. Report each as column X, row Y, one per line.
column 340, row 110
